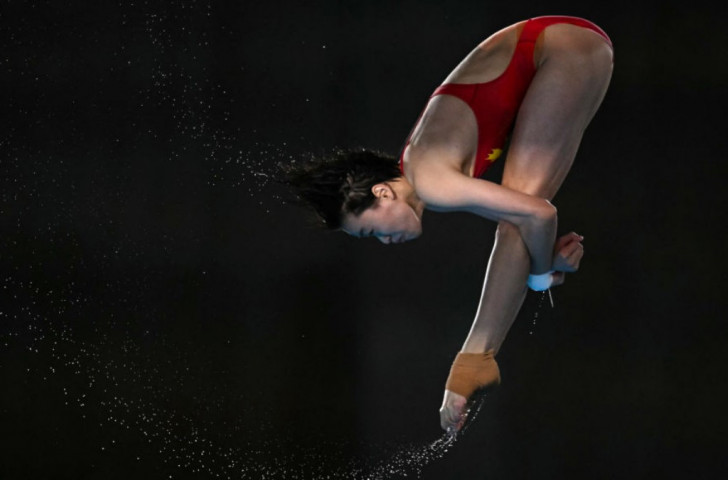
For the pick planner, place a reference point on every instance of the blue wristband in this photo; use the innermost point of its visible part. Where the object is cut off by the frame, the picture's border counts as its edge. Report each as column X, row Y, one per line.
column 541, row 282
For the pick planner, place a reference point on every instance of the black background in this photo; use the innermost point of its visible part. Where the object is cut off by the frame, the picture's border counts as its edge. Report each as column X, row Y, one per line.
column 165, row 313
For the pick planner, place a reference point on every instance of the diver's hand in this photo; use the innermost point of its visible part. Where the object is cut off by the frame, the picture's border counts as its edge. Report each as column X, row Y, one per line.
column 452, row 412
column 568, row 252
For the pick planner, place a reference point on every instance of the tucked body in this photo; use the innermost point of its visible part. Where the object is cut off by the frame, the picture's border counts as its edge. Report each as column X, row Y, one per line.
column 537, row 84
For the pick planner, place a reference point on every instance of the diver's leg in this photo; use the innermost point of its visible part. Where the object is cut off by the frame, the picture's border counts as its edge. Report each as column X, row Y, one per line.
column 572, row 78
column 563, row 97
column 503, row 292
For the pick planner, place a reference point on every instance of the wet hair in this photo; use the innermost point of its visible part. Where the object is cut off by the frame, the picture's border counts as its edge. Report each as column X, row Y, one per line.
column 340, row 183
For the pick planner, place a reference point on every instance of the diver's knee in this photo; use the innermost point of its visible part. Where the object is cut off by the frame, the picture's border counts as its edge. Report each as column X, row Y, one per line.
column 507, row 231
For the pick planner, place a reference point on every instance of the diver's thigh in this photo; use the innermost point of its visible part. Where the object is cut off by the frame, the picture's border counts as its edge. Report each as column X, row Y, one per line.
column 561, row 100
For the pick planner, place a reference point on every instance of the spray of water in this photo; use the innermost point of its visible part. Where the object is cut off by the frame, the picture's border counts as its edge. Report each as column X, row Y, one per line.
column 107, row 372
column 96, row 352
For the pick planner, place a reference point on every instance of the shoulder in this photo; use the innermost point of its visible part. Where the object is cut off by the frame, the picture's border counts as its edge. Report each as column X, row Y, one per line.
column 446, row 135
column 439, row 182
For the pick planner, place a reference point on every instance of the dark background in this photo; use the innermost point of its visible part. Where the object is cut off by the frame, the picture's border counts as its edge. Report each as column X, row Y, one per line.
column 166, row 313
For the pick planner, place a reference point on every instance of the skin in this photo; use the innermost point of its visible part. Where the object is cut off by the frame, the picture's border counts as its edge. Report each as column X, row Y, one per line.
column 574, row 66
column 395, row 217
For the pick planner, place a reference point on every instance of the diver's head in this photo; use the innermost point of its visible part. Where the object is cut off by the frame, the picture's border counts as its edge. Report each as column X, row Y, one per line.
column 391, row 218
column 360, row 192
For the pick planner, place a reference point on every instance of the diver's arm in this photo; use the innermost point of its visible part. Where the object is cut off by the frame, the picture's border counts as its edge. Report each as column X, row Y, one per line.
column 444, row 188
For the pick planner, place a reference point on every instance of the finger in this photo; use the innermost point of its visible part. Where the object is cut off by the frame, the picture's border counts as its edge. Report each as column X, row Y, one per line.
column 558, row 279
column 576, row 245
column 449, row 419
column 569, row 239
column 455, row 417
column 444, row 423
column 575, row 254
column 569, row 249
column 446, row 419
column 572, row 262
column 458, row 425
column 562, row 241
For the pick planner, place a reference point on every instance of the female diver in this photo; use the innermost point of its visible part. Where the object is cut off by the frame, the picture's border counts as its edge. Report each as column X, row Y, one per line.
column 539, row 82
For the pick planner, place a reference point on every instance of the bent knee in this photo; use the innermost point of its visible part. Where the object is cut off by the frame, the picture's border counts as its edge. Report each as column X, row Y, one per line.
column 507, row 231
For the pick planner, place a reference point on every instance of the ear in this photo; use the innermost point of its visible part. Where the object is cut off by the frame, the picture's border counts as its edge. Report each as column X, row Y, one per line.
column 383, row 190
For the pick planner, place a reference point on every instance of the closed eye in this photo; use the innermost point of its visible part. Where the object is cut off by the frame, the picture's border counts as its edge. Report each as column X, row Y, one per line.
column 363, row 234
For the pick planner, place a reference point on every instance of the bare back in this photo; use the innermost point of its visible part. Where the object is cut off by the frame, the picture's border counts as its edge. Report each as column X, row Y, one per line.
column 448, row 125
column 488, row 60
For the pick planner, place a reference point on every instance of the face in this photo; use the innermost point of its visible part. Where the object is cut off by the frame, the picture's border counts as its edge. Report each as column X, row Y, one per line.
column 390, row 219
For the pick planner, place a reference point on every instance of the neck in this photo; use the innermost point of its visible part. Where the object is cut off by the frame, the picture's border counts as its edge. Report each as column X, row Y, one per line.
column 404, row 190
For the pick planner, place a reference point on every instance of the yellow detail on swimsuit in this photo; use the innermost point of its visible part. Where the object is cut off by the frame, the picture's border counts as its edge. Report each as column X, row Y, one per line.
column 494, row 154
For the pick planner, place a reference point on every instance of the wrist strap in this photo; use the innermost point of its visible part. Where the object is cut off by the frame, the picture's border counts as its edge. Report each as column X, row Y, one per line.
column 541, row 282
column 471, row 372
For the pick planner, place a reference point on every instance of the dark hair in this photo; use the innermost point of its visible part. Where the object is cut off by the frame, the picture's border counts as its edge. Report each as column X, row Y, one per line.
column 341, row 182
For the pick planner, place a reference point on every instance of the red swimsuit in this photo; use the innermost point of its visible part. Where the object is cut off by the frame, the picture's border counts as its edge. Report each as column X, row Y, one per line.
column 496, row 103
